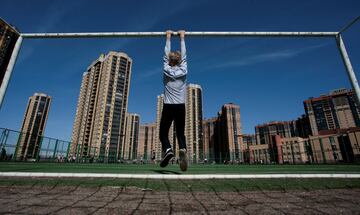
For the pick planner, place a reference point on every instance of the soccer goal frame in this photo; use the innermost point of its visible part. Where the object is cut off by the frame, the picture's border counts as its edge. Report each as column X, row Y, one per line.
column 337, row 35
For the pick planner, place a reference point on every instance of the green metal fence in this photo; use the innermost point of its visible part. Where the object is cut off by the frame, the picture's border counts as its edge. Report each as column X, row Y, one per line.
column 49, row 149
column 46, row 149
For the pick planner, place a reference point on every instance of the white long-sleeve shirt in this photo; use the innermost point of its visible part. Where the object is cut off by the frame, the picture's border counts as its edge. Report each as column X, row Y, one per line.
column 175, row 76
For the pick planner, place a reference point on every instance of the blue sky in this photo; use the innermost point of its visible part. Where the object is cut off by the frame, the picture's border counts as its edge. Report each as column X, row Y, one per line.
column 268, row 78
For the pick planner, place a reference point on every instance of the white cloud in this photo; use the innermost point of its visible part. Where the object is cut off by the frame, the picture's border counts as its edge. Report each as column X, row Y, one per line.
column 151, row 72
column 270, row 56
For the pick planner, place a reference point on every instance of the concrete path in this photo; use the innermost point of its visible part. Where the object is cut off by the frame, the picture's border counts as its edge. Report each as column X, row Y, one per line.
column 79, row 200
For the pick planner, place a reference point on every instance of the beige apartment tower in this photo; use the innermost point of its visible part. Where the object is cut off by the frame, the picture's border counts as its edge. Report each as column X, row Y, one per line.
column 99, row 126
column 33, row 126
column 193, row 124
column 131, row 139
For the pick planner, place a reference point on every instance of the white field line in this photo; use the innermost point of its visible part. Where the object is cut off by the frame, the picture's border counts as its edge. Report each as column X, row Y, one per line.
column 168, row 176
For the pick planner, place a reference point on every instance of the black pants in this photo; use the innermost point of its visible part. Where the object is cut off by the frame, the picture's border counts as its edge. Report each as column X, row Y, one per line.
column 170, row 113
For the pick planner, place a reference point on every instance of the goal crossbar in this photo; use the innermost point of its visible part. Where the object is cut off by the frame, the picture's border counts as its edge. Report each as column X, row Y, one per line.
column 190, row 33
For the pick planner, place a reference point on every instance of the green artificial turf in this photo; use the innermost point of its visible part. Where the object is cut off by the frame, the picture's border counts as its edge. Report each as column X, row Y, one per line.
column 212, row 185
column 173, row 169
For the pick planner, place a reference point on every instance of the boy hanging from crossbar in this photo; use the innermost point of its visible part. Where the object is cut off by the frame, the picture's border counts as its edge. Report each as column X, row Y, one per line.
column 174, row 79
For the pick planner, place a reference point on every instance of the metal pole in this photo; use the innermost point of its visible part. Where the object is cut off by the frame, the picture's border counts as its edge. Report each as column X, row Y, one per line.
column 349, row 25
column 55, row 149
column 9, row 69
column 349, row 68
column 67, row 151
column 190, row 33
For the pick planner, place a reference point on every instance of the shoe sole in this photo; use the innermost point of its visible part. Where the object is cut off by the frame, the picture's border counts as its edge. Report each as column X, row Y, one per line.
column 166, row 160
column 183, row 161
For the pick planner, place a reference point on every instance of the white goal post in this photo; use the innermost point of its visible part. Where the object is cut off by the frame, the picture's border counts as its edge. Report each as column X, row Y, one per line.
column 336, row 35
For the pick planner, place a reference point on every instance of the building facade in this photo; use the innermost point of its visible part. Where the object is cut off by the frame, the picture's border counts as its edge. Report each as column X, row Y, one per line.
column 266, row 135
column 209, row 139
column 131, row 138
column 193, row 124
column 33, row 126
column 8, row 38
column 147, row 141
column 231, row 147
column 302, row 127
column 336, row 146
column 259, row 154
column 337, row 110
column 248, row 140
column 99, row 126
column 294, row 150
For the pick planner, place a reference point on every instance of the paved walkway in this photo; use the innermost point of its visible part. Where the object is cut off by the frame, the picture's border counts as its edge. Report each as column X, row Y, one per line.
column 131, row 200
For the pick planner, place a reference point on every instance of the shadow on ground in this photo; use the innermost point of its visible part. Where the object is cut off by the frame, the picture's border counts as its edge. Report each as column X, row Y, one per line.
column 160, row 171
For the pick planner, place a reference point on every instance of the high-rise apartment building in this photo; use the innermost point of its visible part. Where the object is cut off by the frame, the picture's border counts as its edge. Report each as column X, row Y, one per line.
column 231, row 147
column 33, row 126
column 338, row 109
column 209, row 138
column 147, row 141
column 8, row 38
column 193, row 123
column 222, row 136
column 131, row 138
column 99, row 126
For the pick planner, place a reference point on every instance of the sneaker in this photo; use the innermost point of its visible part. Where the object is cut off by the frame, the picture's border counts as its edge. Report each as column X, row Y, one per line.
column 183, row 159
column 167, row 157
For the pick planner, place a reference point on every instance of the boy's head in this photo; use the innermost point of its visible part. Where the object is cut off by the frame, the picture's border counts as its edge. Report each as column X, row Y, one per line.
column 174, row 58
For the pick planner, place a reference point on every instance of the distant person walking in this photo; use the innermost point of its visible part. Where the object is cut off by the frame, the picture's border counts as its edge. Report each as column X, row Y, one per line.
column 3, row 154
column 175, row 71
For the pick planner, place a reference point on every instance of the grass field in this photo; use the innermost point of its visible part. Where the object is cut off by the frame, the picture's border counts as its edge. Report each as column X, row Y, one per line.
column 173, row 169
column 183, row 185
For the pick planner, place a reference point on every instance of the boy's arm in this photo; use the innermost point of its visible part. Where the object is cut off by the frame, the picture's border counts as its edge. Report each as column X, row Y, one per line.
column 183, row 63
column 182, row 69
column 182, row 45
column 167, row 47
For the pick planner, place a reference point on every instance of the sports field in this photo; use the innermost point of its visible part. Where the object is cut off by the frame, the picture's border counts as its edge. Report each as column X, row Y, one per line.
column 173, row 169
column 183, row 185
